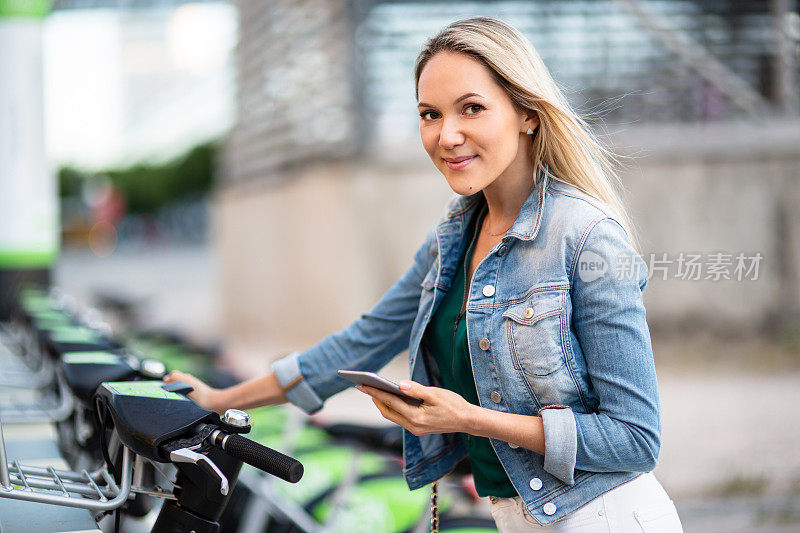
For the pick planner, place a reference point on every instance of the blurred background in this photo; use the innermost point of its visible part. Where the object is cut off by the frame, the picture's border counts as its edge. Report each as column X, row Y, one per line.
column 222, row 169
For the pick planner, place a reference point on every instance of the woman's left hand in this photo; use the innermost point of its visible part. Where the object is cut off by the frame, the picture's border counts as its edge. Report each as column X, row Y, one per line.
column 442, row 411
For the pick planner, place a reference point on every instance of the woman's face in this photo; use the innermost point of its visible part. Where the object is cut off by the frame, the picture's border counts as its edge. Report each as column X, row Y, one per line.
column 469, row 126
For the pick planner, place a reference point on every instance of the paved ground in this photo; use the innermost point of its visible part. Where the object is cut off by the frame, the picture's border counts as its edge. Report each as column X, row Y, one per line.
column 730, row 455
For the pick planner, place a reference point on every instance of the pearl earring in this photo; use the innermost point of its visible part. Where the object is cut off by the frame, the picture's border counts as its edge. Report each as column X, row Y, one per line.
column 530, row 131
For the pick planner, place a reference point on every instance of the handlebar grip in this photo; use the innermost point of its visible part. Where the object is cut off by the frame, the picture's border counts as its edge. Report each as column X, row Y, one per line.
column 265, row 459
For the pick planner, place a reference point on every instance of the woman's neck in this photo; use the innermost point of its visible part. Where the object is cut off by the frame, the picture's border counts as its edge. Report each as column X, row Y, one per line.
column 504, row 198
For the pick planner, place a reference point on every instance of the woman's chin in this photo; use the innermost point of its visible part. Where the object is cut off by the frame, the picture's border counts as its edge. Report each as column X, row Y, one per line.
column 463, row 185
column 465, row 189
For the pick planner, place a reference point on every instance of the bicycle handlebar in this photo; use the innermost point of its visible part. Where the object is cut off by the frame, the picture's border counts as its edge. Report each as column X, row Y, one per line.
column 266, row 459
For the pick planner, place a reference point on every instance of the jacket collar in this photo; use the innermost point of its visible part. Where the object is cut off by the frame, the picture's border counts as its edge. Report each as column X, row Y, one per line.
column 530, row 215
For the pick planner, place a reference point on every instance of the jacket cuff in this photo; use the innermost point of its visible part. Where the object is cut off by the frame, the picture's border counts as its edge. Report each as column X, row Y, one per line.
column 560, row 442
column 295, row 386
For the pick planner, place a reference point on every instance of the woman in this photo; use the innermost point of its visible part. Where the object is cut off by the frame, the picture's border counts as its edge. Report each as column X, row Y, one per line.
column 523, row 308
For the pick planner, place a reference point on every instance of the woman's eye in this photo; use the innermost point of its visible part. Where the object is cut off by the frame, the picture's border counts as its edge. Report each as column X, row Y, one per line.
column 425, row 114
column 476, row 107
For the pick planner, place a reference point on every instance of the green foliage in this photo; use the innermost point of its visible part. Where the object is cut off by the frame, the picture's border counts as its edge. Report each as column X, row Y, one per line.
column 742, row 485
column 149, row 187
column 69, row 181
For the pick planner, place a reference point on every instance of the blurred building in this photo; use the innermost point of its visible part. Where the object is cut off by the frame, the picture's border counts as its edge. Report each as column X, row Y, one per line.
column 327, row 190
column 97, row 84
column 132, row 81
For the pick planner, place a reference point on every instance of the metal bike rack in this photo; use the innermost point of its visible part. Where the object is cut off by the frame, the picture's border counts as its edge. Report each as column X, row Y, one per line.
column 48, row 409
column 24, row 366
column 95, row 491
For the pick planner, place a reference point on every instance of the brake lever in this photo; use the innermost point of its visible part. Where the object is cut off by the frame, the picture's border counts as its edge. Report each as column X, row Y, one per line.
column 185, row 455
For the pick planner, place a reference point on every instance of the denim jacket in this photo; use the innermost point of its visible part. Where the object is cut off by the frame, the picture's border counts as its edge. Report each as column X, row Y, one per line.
column 556, row 328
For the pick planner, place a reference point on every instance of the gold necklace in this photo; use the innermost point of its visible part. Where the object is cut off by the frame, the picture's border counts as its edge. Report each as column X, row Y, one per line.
column 501, row 233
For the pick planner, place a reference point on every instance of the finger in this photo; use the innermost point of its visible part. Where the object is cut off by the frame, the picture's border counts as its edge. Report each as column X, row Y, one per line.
column 366, row 389
column 389, row 414
column 393, row 402
column 412, row 388
column 383, row 396
column 175, row 375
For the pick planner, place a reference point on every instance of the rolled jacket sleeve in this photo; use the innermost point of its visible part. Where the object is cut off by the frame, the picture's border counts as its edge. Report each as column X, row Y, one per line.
column 608, row 319
column 298, row 391
column 561, row 440
column 367, row 344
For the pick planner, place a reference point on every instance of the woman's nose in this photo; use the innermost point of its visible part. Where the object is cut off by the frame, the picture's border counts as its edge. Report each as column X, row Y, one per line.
column 450, row 136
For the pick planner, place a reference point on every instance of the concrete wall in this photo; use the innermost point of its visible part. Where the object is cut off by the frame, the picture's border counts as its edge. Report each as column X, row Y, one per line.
column 305, row 257
column 303, row 253
column 725, row 188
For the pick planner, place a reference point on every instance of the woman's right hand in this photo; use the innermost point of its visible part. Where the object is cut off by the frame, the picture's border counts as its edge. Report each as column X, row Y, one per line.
column 203, row 395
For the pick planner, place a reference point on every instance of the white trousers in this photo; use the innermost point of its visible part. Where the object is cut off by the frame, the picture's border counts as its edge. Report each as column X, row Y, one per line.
column 639, row 506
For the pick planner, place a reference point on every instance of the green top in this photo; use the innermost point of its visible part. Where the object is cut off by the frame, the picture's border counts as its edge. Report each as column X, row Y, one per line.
column 447, row 336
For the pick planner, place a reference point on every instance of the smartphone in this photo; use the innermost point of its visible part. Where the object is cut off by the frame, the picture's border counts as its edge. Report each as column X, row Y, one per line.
column 372, row 379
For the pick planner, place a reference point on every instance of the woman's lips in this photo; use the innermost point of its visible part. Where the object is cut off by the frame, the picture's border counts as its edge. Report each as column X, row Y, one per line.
column 461, row 163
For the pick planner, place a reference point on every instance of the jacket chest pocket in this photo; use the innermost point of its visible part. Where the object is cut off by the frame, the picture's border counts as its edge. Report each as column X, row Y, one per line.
column 533, row 329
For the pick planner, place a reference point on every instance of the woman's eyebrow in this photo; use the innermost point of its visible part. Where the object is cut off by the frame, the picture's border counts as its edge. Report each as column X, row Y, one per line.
column 462, row 97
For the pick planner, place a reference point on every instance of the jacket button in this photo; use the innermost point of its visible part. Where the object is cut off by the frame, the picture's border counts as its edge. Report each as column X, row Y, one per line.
column 495, row 396
column 488, row 290
column 484, row 344
column 536, row 483
column 502, row 250
column 529, row 312
column 549, row 508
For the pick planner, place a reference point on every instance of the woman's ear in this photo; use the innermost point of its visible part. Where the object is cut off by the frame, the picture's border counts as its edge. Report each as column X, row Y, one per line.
column 531, row 122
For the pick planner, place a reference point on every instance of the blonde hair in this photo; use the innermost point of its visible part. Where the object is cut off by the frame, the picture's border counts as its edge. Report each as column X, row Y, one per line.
column 563, row 140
